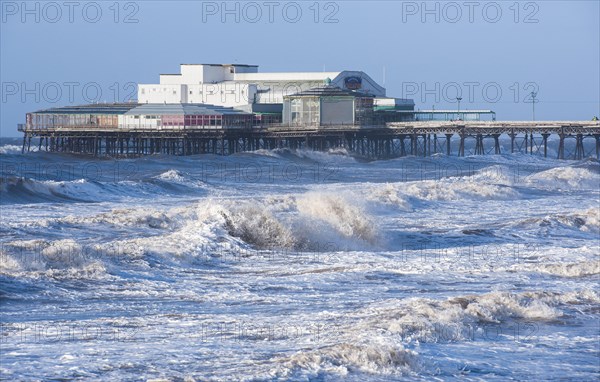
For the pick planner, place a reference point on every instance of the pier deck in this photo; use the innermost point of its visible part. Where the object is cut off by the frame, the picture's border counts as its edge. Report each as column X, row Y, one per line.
column 383, row 141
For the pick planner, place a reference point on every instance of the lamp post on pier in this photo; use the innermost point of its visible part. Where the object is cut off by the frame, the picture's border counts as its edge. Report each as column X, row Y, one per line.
column 533, row 95
column 458, row 99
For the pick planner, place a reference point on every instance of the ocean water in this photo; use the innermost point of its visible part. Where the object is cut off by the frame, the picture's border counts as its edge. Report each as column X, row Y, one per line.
column 297, row 265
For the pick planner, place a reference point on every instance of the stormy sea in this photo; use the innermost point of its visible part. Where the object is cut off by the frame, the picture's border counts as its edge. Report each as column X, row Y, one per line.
column 298, row 265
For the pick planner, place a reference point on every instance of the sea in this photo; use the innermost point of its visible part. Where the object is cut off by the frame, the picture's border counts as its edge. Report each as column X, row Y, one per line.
column 294, row 265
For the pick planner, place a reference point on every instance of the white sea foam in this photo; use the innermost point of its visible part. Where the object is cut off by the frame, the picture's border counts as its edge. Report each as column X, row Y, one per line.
column 446, row 189
column 10, row 149
column 582, row 269
column 255, row 225
column 59, row 258
column 430, row 320
column 314, row 221
column 342, row 213
column 348, row 358
column 388, row 194
column 173, row 175
column 566, row 177
column 331, row 157
column 124, row 217
column 586, row 221
column 177, row 177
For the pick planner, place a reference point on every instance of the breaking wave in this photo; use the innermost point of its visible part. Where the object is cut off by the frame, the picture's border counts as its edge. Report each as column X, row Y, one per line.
column 348, row 358
column 332, row 156
column 586, row 221
column 568, row 177
column 377, row 340
column 341, row 213
column 294, row 222
column 309, row 222
column 19, row 189
column 26, row 190
column 429, row 320
column 10, row 150
column 123, row 217
column 583, row 269
column 55, row 259
column 447, row 189
column 256, row 226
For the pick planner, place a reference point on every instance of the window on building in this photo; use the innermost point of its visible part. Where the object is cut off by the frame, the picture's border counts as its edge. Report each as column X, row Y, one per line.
column 296, row 110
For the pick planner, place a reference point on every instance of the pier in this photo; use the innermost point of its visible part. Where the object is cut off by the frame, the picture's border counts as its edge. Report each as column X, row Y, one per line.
column 568, row 139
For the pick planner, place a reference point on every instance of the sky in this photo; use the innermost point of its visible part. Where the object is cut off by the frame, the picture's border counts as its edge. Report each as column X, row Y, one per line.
column 491, row 54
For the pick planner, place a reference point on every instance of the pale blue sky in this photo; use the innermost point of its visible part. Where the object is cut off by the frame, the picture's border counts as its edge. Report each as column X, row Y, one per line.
column 559, row 54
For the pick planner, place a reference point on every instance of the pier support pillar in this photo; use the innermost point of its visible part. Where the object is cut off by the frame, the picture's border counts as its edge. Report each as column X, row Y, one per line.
column 402, row 147
column 461, row 147
column 579, row 150
column 448, row 137
column 545, row 143
column 512, row 142
column 479, row 150
column 531, row 143
column 496, row 144
column 561, row 147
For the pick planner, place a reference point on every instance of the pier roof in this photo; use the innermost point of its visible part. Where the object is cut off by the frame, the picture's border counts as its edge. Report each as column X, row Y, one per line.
column 240, row 65
column 329, row 91
column 182, row 109
column 94, row 108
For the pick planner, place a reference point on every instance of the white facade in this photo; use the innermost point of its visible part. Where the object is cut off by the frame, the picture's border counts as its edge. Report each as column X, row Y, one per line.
column 162, row 93
column 127, row 121
column 394, row 103
column 242, row 85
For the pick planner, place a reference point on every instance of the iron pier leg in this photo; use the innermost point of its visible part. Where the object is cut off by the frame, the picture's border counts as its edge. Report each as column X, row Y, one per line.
column 561, row 147
column 448, row 137
column 479, row 150
column 545, row 139
column 512, row 142
column 531, row 143
column 579, row 151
